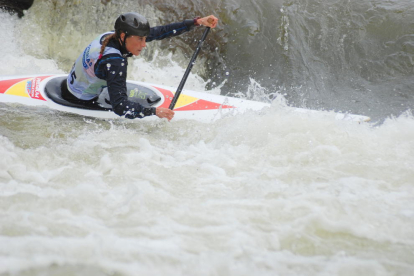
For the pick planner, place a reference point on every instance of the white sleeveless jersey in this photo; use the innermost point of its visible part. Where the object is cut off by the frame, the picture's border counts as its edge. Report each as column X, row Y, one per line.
column 82, row 81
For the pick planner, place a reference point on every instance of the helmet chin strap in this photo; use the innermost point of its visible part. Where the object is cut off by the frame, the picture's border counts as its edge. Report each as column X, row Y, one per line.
column 123, row 45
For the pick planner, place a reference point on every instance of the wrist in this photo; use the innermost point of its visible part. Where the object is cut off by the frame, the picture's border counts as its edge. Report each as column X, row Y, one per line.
column 196, row 21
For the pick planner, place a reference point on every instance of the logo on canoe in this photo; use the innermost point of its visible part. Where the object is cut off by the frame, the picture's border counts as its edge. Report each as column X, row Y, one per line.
column 32, row 88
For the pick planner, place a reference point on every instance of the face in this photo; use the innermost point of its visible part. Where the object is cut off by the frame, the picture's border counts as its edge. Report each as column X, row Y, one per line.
column 134, row 44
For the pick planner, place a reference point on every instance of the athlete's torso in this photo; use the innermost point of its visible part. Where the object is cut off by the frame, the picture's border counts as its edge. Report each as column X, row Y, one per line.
column 82, row 80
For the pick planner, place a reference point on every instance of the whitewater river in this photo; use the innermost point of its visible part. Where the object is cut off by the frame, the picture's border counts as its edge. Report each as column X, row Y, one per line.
column 266, row 193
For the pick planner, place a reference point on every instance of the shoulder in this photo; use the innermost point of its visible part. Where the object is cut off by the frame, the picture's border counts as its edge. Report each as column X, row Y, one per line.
column 110, row 63
column 114, row 58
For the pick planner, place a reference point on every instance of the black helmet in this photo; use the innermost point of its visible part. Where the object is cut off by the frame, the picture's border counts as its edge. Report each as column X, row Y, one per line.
column 132, row 23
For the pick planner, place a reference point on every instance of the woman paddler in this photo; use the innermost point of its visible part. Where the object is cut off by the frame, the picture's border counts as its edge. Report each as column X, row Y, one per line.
column 104, row 62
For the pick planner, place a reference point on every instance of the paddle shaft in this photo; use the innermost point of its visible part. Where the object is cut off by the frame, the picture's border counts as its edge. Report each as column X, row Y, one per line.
column 189, row 67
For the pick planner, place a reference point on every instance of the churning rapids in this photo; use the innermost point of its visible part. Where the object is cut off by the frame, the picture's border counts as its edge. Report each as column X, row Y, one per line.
column 267, row 193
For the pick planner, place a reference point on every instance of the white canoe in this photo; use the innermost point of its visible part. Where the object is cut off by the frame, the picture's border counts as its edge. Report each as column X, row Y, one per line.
column 44, row 90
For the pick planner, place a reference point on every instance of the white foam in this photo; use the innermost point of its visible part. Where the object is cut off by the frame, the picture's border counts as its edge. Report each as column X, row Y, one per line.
column 14, row 61
column 275, row 192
